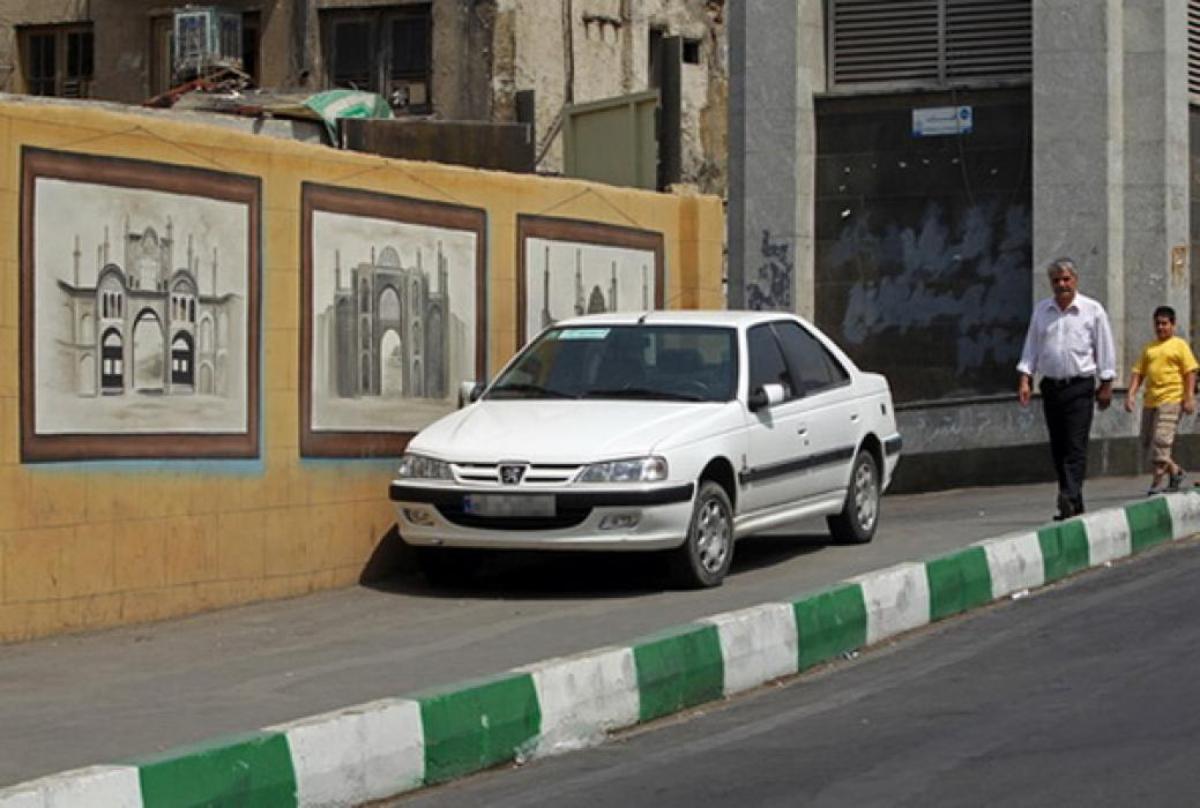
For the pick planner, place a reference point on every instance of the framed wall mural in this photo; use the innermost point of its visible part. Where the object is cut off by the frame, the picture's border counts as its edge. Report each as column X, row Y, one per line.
column 392, row 317
column 139, row 309
column 567, row 267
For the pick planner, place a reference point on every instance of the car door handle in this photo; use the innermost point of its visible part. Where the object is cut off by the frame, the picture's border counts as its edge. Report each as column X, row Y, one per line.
column 853, row 416
column 802, row 429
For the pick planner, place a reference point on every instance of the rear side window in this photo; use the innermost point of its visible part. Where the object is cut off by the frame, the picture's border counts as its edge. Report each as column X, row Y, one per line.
column 767, row 365
column 813, row 367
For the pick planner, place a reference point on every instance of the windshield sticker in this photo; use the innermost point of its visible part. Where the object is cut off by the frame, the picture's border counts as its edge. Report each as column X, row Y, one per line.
column 583, row 333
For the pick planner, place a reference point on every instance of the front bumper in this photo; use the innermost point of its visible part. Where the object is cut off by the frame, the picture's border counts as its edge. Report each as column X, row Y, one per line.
column 432, row 515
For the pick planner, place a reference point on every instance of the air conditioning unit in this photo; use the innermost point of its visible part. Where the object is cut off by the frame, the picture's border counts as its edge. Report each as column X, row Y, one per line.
column 206, row 37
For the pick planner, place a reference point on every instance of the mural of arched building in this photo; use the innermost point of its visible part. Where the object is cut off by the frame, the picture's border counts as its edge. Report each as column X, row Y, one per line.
column 393, row 322
column 140, row 337
column 152, row 290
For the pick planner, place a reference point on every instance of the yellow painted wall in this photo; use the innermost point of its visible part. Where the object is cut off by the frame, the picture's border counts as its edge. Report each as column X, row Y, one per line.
column 86, row 545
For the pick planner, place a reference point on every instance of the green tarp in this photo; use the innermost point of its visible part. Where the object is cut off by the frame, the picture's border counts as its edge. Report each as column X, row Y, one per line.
column 334, row 104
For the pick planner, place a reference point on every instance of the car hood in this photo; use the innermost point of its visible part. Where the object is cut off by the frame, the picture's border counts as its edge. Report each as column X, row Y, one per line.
column 550, row 431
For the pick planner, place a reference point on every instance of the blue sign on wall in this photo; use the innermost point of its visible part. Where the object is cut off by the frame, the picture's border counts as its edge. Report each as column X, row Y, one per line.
column 934, row 121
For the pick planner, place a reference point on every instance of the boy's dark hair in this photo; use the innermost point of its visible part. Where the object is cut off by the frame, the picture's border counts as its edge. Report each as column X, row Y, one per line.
column 1165, row 311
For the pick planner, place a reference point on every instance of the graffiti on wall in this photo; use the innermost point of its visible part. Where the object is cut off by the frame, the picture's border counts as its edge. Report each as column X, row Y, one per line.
column 771, row 287
column 140, row 288
column 391, row 321
column 568, row 268
column 951, row 295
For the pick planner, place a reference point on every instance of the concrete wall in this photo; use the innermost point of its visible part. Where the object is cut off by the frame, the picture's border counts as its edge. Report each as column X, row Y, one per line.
column 1194, row 215
column 1110, row 186
column 99, row 543
column 1111, row 156
column 777, row 64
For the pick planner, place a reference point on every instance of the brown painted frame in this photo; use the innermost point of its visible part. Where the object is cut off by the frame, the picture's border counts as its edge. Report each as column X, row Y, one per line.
column 355, row 202
column 597, row 233
column 38, row 163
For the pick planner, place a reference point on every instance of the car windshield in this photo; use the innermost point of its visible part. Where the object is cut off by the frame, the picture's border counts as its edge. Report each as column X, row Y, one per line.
column 654, row 362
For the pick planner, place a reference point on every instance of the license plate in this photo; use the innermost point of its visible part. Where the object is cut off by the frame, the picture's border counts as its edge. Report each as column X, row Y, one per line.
column 509, row 504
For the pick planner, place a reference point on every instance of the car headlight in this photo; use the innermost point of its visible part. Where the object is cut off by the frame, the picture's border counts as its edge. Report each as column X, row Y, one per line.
column 420, row 467
column 634, row 470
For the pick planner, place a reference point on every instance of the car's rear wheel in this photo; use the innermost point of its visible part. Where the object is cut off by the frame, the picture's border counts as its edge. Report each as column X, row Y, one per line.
column 860, row 514
column 705, row 555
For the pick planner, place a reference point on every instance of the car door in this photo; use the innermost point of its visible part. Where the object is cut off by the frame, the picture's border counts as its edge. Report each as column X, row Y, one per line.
column 828, row 418
column 774, row 471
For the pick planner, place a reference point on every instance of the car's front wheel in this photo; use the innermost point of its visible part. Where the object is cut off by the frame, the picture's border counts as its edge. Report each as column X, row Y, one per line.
column 705, row 555
column 860, row 514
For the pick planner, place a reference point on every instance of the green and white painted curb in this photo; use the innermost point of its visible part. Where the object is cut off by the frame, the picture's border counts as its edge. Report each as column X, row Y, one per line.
column 383, row 748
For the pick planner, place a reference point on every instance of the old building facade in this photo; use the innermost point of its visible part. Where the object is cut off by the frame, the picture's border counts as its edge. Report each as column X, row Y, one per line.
column 465, row 60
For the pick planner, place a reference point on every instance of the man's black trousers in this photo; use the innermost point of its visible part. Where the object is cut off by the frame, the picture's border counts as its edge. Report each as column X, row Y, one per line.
column 1069, row 406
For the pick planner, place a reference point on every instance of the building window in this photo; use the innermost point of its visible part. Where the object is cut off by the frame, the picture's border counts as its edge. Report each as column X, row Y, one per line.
column 57, row 59
column 386, row 51
column 691, row 51
column 162, row 50
column 251, row 34
column 929, row 43
column 654, row 58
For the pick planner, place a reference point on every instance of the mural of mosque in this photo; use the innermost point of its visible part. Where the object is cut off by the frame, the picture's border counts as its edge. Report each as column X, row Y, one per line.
column 594, row 301
column 148, row 325
column 387, row 331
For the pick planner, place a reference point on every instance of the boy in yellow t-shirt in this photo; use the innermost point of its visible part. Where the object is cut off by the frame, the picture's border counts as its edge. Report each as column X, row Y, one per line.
column 1169, row 369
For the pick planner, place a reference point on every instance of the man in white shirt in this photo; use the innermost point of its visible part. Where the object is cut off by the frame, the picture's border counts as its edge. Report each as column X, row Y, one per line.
column 1070, row 345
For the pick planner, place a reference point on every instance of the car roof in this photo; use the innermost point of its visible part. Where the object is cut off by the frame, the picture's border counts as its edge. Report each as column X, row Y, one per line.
column 716, row 317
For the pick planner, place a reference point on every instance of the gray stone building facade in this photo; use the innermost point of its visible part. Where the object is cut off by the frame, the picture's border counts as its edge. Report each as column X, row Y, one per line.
column 920, row 241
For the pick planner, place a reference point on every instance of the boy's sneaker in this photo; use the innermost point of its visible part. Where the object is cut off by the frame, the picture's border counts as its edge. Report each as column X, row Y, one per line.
column 1153, row 492
column 1175, row 480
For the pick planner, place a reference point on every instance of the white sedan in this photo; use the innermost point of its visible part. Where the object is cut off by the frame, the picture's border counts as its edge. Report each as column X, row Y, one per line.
column 669, row 430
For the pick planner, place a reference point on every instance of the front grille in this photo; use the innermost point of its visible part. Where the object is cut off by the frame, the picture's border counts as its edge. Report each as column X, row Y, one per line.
column 566, row 517
column 539, row 475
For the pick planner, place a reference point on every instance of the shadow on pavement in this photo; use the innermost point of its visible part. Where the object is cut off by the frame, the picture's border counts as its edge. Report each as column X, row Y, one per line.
column 540, row 575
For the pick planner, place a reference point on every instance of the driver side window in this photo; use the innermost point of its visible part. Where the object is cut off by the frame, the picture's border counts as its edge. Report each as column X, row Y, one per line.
column 767, row 365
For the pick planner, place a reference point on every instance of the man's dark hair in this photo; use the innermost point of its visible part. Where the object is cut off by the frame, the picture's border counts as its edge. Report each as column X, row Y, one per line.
column 1165, row 311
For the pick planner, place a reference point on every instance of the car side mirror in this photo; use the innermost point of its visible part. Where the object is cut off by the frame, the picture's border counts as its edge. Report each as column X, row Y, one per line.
column 469, row 393
column 766, row 396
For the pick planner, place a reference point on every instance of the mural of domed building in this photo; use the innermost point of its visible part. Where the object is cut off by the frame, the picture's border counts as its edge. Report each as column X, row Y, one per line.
column 595, row 301
column 570, row 268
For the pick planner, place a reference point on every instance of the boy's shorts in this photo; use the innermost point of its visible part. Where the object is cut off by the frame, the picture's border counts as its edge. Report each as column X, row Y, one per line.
column 1158, row 430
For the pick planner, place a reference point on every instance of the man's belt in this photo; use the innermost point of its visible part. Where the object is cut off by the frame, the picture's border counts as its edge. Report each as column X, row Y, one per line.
column 1050, row 381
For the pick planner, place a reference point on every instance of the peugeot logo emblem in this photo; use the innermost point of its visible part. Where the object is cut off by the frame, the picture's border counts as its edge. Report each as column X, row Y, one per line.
column 511, row 473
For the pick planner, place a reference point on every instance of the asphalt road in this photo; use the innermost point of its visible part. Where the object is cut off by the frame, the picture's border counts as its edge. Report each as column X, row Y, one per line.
column 1083, row 694
column 112, row 695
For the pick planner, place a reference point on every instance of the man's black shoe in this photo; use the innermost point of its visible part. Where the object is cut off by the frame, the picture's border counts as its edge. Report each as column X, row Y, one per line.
column 1066, row 508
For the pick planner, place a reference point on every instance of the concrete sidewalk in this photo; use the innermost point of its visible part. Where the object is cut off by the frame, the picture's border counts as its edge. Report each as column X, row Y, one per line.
column 513, row 611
